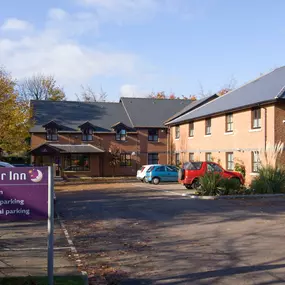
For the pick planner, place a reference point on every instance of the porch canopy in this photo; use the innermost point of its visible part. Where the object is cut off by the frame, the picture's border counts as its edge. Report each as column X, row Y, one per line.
column 56, row 149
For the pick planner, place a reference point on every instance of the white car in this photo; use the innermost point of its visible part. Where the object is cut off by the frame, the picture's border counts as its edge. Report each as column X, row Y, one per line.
column 5, row 164
column 142, row 171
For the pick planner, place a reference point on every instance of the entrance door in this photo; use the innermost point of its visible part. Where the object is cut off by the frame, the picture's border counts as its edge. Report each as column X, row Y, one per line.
column 57, row 165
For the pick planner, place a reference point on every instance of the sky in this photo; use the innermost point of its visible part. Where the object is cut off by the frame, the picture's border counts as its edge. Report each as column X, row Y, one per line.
column 134, row 47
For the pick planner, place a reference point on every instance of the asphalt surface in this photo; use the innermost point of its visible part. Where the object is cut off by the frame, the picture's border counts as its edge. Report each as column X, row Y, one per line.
column 23, row 250
column 147, row 234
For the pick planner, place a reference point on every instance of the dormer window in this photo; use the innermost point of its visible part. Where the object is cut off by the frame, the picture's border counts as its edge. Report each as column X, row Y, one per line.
column 52, row 130
column 87, row 134
column 87, row 130
column 52, row 134
column 121, row 135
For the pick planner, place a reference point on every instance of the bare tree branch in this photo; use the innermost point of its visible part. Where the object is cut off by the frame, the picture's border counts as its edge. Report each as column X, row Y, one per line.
column 40, row 87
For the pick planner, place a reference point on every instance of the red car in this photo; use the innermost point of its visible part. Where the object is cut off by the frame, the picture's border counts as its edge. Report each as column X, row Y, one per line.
column 191, row 171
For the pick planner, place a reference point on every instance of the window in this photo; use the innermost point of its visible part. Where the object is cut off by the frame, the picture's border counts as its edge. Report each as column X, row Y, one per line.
column 208, row 156
column 77, row 162
column 208, row 127
column 192, row 165
column 160, row 169
column 191, row 156
column 229, row 123
column 87, row 134
column 177, row 159
column 256, row 118
column 230, row 160
column 153, row 158
column 121, row 135
column 125, row 159
column 255, row 161
column 212, row 167
column 153, row 135
column 191, row 129
column 52, row 134
column 177, row 132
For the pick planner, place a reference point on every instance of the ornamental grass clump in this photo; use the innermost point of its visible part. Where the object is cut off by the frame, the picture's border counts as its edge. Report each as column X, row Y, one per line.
column 271, row 174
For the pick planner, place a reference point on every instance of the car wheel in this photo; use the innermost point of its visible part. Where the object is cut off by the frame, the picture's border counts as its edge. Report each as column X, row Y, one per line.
column 196, row 184
column 155, row 180
column 188, row 186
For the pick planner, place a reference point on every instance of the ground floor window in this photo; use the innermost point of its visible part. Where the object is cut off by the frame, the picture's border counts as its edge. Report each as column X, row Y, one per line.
column 153, row 158
column 177, row 159
column 230, row 160
column 125, row 159
column 191, row 156
column 255, row 161
column 208, row 156
column 77, row 162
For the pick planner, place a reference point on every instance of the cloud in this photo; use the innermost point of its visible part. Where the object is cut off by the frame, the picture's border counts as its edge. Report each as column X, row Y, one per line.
column 56, row 50
column 129, row 90
column 14, row 24
column 123, row 11
column 130, row 11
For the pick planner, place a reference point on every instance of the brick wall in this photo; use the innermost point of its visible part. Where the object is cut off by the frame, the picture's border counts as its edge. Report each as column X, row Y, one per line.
column 136, row 143
column 242, row 141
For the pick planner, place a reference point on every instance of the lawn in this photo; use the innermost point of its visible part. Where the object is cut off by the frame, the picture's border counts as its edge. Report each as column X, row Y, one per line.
column 60, row 280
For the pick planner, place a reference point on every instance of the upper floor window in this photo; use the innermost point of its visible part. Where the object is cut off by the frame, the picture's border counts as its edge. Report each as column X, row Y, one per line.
column 52, row 134
column 256, row 118
column 208, row 125
column 121, row 135
column 177, row 132
column 191, row 129
column 87, row 134
column 229, row 123
column 153, row 135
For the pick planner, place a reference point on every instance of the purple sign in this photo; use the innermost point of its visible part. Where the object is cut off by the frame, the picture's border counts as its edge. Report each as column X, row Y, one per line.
column 23, row 193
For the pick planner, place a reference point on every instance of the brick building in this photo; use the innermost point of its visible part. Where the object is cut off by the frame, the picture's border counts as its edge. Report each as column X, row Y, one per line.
column 77, row 137
column 233, row 127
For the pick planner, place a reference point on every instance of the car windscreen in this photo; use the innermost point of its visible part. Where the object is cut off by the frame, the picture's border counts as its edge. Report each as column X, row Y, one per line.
column 192, row 165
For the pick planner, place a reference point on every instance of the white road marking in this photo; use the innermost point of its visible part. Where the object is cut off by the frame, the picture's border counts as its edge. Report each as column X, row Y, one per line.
column 72, row 248
column 157, row 189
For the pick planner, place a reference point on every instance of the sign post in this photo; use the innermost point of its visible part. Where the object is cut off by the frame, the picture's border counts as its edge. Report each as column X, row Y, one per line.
column 50, row 224
column 27, row 193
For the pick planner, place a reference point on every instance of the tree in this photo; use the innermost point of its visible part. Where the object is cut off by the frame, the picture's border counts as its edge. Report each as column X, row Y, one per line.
column 15, row 117
column 41, row 87
column 115, row 159
column 89, row 95
column 162, row 95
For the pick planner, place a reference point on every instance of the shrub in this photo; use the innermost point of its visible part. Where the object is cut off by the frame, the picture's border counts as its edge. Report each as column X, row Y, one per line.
column 271, row 180
column 209, row 184
column 229, row 186
column 240, row 167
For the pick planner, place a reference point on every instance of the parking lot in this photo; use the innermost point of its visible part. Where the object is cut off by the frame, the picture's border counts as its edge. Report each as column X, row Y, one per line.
column 151, row 234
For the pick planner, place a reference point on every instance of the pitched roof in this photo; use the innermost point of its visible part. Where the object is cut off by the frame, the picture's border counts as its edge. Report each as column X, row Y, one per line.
column 77, row 148
column 71, row 114
column 267, row 88
column 131, row 112
column 193, row 105
column 149, row 112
